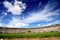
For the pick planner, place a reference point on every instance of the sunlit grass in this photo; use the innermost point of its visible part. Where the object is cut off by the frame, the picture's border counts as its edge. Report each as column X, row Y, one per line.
column 31, row 35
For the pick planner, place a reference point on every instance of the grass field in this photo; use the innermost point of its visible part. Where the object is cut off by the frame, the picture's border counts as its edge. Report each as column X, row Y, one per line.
column 31, row 35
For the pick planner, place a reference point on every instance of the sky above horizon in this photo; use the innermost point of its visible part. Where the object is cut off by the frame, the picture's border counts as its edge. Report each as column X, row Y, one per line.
column 29, row 13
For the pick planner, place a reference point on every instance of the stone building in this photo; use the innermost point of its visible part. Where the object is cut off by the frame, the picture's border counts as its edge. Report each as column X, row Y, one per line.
column 55, row 28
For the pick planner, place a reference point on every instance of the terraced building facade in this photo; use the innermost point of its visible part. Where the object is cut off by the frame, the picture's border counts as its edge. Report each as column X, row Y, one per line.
column 55, row 28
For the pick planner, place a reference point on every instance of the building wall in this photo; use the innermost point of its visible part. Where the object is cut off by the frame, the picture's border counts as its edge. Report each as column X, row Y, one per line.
column 35, row 30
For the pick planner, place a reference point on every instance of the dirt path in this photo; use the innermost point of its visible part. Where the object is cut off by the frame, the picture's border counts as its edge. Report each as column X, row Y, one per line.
column 52, row 38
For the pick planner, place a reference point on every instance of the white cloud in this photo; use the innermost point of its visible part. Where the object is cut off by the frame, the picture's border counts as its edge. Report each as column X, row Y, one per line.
column 44, row 15
column 16, row 9
column 1, row 25
column 41, row 16
column 52, row 23
column 49, row 24
column 15, row 22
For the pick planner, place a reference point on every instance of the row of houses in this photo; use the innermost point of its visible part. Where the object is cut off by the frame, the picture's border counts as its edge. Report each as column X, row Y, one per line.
column 55, row 28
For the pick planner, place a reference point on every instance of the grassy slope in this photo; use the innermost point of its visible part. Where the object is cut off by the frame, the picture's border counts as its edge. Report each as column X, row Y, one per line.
column 31, row 35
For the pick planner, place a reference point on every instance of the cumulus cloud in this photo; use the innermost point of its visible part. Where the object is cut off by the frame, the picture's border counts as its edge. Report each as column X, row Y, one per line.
column 16, row 9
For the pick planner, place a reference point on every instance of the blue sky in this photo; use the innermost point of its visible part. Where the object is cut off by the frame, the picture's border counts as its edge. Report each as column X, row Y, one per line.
column 29, row 13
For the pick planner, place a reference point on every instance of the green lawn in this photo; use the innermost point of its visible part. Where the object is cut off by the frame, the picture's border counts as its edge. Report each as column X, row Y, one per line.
column 31, row 35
